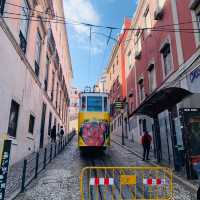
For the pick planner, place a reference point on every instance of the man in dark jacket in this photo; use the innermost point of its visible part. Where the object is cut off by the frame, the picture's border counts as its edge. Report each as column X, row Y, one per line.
column 61, row 132
column 146, row 143
column 53, row 134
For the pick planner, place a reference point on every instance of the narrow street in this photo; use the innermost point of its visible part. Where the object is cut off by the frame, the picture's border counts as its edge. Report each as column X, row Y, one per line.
column 60, row 180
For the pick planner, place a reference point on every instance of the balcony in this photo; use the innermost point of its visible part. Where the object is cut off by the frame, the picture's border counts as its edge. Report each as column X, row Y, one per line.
column 158, row 14
column 22, row 42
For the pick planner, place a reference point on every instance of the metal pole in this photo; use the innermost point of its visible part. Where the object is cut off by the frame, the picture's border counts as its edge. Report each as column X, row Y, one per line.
column 122, row 128
column 36, row 165
column 24, row 176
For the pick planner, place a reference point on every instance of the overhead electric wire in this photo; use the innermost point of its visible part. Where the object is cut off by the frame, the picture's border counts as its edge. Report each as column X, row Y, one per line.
column 102, row 26
column 33, row 18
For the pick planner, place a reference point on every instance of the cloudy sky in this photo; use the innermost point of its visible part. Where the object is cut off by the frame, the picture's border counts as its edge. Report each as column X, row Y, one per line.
column 89, row 58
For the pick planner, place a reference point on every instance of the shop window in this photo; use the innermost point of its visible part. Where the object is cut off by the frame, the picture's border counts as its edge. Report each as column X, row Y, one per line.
column 31, row 124
column 38, row 53
column 152, row 78
column 13, row 119
column 167, row 59
column 24, row 25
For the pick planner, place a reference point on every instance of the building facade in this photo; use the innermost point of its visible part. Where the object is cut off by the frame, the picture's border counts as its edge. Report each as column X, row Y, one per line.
column 35, row 73
column 162, row 77
column 73, row 109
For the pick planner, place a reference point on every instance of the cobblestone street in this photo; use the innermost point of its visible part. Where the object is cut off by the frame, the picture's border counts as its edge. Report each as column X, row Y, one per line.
column 60, row 181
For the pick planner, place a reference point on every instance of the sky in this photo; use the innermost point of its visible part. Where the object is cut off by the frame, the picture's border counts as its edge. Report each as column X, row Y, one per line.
column 90, row 57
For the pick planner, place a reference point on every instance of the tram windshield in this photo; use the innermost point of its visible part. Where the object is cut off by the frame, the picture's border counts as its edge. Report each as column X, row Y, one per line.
column 94, row 104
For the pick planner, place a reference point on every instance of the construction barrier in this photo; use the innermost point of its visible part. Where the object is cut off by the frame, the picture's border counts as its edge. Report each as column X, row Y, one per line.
column 126, row 183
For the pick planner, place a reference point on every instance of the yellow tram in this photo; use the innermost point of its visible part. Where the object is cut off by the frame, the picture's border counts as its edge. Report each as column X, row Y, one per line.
column 93, row 121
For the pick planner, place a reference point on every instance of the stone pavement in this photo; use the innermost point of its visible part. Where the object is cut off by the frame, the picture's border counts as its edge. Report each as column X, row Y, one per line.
column 138, row 149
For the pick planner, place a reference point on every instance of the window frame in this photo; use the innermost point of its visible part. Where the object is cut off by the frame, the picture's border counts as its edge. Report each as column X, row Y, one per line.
column 31, row 127
column 12, row 131
column 151, row 68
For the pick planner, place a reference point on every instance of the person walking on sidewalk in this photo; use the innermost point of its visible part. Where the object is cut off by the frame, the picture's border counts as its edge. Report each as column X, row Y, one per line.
column 146, row 143
column 61, row 132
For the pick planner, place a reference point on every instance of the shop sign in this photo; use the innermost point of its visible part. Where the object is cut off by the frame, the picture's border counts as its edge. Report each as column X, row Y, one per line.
column 195, row 74
column 5, row 146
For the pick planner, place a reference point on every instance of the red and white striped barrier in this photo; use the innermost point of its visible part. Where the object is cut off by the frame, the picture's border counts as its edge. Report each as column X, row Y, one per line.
column 101, row 181
column 153, row 181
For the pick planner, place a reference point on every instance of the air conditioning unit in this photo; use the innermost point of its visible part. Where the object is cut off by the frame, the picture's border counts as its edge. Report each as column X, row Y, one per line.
column 158, row 14
column 138, row 54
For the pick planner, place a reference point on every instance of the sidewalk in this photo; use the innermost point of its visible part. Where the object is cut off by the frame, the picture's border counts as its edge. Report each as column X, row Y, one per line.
column 136, row 148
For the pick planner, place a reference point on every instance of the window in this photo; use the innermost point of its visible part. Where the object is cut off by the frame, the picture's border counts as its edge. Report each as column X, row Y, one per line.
column 94, row 104
column 83, row 102
column 24, row 26
column 49, row 126
column 52, row 87
column 46, row 74
column 31, row 124
column 110, row 75
column 13, row 118
column 105, row 104
column 138, row 45
column 2, row 4
column 197, row 14
column 113, row 69
column 152, row 78
column 147, row 20
column 37, row 53
column 167, row 60
column 117, row 62
column 57, row 95
column 129, row 60
column 141, row 90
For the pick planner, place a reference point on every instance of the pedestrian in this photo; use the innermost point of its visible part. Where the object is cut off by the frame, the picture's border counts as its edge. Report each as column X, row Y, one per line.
column 146, row 143
column 53, row 134
column 61, row 132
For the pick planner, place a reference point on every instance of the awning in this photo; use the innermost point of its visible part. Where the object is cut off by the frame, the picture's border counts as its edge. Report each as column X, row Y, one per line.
column 161, row 100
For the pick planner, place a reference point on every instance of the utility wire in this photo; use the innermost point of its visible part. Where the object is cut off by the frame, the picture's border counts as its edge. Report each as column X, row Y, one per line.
column 37, row 19
column 101, row 26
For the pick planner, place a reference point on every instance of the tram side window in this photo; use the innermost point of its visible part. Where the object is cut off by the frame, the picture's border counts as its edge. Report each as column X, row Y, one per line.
column 105, row 104
column 94, row 104
column 83, row 103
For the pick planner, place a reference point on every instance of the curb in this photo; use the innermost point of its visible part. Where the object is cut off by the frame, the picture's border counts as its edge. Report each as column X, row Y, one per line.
column 177, row 178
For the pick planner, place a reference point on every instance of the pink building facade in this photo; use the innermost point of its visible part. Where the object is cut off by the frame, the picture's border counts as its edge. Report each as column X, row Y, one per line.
column 162, row 67
column 35, row 73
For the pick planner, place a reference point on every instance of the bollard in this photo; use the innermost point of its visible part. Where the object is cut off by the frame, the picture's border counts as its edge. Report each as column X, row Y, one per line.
column 45, row 157
column 36, row 165
column 51, row 153
column 24, row 176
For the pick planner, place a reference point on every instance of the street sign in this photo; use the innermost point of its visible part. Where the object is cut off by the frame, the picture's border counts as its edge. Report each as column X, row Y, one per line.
column 5, row 146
